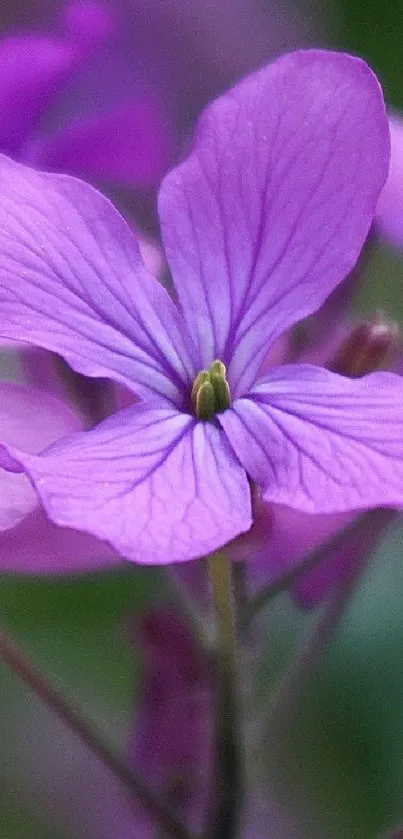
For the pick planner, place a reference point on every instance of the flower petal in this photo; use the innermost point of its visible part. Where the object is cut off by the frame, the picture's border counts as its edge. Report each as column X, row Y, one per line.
column 322, row 443
column 40, row 370
column 37, row 546
column 35, row 67
column 286, row 538
column 271, row 209
column 72, row 280
column 33, row 420
column 130, row 146
column 32, row 69
column 152, row 482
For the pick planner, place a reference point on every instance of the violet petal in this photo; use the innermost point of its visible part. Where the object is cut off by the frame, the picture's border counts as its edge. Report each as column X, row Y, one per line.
column 32, row 70
column 72, row 280
column 152, row 482
column 271, row 209
column 37, row 546
column 287, row 537
column 322, row 443
column 88, row 22
column 31, row 419
column 129, row 146
column 355, row 549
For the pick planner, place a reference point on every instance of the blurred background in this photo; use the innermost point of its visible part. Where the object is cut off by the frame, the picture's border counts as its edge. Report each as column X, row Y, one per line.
column 343, row 760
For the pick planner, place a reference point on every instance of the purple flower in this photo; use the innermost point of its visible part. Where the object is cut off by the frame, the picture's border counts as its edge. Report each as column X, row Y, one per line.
column 260, row 224
column 172, row 738
column 53, row 116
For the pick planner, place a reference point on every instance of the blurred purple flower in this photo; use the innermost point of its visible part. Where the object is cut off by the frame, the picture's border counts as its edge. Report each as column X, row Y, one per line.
column 260, row 224
column 172, row 741
column 190, row 51
column 170, row 745
column 355, row 549
column 29, row 542
column 200, row 49
column 124, row 141
column 282, row 538
column 33, row 420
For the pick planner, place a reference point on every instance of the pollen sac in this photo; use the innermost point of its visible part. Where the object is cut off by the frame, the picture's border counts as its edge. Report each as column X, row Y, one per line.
column 210, row 392
column 368, row 347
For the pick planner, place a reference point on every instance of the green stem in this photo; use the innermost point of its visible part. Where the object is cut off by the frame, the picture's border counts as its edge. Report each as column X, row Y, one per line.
column 228, row 788
column 106, row 752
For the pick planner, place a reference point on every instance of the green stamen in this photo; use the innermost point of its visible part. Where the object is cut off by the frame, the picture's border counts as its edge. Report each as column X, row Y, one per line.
column 201, row 378
column 210, row 392
column 217, row 368
column 205, row 401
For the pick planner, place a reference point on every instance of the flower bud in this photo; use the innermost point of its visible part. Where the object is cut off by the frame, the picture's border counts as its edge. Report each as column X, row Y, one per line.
column 368, row 347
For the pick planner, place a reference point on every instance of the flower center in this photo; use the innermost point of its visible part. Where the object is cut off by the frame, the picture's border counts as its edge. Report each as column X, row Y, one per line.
column 210, row 392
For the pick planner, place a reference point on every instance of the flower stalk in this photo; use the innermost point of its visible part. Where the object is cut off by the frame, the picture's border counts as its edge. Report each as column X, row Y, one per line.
column 228, row 777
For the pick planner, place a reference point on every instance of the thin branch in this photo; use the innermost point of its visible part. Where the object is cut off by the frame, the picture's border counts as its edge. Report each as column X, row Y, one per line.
column 11, row 653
